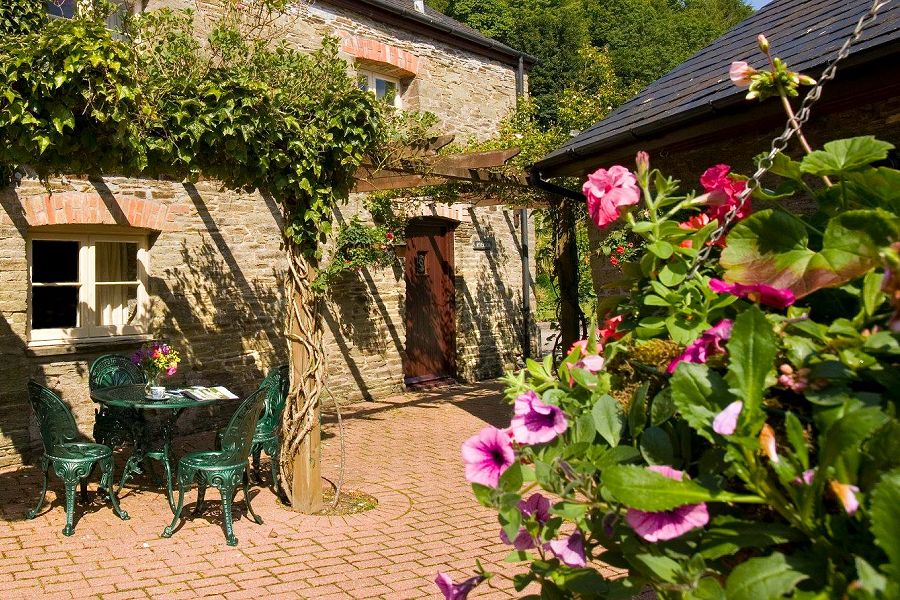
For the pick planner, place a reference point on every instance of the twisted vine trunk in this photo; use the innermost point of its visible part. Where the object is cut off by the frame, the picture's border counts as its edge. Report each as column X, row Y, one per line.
column 300, row 458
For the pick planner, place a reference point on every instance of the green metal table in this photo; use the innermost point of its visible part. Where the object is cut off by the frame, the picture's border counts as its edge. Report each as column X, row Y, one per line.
column 149, row 442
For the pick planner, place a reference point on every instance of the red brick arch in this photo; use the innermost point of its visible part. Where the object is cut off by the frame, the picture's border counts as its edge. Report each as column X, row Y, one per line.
column 400, row 62
column 83, row 208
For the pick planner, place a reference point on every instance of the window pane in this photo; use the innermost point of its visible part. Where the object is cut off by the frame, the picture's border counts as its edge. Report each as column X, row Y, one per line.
column 116, row 304
column 53, row 307
column 115, row 261
column 385, row 89
column 60, row 8
column 54, row 262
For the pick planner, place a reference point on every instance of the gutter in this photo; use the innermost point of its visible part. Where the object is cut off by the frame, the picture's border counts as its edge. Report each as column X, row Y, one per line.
column 432, row 23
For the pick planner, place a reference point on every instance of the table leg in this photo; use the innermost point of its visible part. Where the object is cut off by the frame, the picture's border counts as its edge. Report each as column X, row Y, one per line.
column 165, row 456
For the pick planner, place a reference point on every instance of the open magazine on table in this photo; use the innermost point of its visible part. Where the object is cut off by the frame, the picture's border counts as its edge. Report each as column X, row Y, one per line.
column 217, row 392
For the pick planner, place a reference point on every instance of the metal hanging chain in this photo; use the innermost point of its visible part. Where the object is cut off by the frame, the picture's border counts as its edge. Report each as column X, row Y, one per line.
column 780, row 143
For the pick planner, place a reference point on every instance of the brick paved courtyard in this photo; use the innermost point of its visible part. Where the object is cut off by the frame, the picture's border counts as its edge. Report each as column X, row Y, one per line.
column 404, row 451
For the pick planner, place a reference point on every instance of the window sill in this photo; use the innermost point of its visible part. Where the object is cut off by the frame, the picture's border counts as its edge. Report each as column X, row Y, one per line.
column 85, row 346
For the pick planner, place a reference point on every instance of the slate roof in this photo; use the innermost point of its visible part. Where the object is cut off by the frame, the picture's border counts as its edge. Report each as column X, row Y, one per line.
column 806, row 34
column 442, row 23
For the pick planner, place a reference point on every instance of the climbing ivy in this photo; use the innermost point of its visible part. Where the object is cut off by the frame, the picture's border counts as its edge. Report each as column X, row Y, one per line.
column 234, row 107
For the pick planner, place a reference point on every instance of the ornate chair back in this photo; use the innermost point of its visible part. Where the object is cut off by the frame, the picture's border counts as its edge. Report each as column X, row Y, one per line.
column 114, row 369
column 276, row 385
column 238, row 436
column 54, row 418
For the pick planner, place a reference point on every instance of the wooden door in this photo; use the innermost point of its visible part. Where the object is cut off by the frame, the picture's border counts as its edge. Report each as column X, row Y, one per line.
column 430, row 303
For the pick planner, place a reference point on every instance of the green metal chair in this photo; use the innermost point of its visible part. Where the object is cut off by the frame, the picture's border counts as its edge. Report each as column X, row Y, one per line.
column 266, row 436
column 111, row 425
column 72, row 460
column 224, row 468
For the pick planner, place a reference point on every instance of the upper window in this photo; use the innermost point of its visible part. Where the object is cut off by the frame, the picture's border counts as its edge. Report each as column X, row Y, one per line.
column 384, row 87
column 87, row 286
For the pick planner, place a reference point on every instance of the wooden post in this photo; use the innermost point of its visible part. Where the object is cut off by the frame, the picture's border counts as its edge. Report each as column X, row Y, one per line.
column 566, row 259
column 301, row 436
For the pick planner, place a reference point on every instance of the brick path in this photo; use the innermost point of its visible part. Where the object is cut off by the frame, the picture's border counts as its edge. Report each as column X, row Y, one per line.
column 404, row 451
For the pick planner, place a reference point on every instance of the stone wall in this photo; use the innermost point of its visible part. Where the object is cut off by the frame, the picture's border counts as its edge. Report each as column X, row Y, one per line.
column 470, row 93
column 216, row 286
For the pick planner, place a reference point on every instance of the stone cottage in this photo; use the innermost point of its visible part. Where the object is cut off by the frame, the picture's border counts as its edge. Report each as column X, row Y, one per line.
column 695, row 117
column 102, row 266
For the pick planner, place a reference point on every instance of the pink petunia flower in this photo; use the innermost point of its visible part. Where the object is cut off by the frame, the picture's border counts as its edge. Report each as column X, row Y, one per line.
column 486, row 455
column 846, row 493
column 726, row 421
column 607, row 190
column 570, row 550
column 593, row 363
column 609, row 330
column 722, row 193
column 758, row 292
column 171, row 370
column 667, row 524
column 538, row 507
column 456, row 591
column 768, row 443
column 709, row 343
column 740, row 73
column 536, row 422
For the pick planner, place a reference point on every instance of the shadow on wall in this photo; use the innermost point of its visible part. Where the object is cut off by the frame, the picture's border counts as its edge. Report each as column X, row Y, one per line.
column 362, row 324
column 493, row 313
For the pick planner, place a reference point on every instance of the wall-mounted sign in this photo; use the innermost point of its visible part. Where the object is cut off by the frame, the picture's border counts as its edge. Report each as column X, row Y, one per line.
column 484, row 244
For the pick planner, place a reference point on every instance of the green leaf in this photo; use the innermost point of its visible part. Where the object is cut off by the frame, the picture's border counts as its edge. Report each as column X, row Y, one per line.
column 841, row 156
column 674, row 273
column 770, row 576
column 656, row 447
column 608, row 419
column 663, row 407
column 885, row 514
column 796, row 438
column 637, row 410
column 700, row 394
column 511, row 479
column 661, row 249
column 726, row 535
column 871, row 292
column 641, row 488
column 772, row 248
column 869, row 577
column 484, row 494
column 751, row 352
column 848, row 433
column 661, row 567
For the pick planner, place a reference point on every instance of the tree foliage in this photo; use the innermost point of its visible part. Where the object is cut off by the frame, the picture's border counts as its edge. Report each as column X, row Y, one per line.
column 640, row 39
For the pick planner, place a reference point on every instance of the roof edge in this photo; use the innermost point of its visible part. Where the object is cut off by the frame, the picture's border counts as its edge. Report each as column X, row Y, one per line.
column 549, row 166
column 482, row 42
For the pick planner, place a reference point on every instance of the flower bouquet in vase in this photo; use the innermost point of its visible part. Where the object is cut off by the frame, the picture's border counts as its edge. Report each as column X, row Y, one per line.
column 156, row 360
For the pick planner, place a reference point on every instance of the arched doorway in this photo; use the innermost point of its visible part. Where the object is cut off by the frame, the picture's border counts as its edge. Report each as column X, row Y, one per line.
column 430, row 355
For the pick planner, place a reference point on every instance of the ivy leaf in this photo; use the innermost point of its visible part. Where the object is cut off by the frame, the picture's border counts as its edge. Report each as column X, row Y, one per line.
column 840, row 156
column 751, row 352
column 885, row 513
column 771, row 248
column 608, row 419
column 770, row 576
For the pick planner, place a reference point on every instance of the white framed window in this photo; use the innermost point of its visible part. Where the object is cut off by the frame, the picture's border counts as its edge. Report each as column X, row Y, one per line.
column 85, row 286
column 384, row 87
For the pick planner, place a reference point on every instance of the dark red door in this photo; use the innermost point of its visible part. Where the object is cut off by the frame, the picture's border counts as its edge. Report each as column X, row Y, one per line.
column 430, row 303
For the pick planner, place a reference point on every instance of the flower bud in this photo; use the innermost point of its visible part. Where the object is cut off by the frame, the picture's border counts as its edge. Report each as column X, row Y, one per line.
column 642, row 160
column 767, row 442
column 807, row 80
column 846, row 494
column 740, row 73
column 763, row 43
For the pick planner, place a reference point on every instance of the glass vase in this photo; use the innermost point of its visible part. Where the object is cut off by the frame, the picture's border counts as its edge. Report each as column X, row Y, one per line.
column 152, row 381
